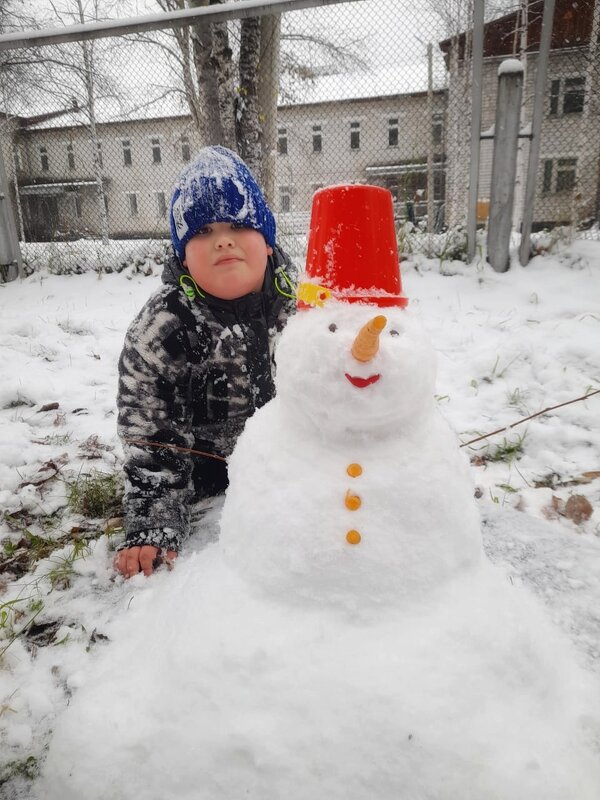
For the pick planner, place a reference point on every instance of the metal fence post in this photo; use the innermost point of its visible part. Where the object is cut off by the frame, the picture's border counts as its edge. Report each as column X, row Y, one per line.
column 536, row 129
column 476, row 89
column 504, row 162
column 10, row 251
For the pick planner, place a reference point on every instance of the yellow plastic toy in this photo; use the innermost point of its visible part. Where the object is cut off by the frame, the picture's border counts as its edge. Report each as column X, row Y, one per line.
column 311, row 294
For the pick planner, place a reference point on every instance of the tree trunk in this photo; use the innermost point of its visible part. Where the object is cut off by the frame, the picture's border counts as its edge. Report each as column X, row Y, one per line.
column 248, row 128
column 18, row 194
column 89, row 86
column 268, row 93
column 213, row 63
column 222, row 64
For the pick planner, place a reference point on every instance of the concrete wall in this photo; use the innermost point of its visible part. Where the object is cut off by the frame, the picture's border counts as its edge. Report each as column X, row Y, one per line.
column 304, row 170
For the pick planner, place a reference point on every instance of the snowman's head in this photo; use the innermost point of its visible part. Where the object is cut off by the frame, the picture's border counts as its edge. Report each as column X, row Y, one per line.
column 338, row 380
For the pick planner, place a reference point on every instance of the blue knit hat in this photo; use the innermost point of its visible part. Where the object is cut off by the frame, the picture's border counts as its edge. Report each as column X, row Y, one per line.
column 217, row 187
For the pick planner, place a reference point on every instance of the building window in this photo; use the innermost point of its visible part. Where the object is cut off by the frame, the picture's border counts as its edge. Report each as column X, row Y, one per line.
column 44, row 163
column 156, row 156
column 161, row 204
column 133, row 204
column 70, row 156
column 559, row 174
column 185, row 149
column 554, row 96
column 547, row 184
column 285, row 198
column 77, row 205
column 282, row 142
column 126, row 144
column 355, row 135
column 18, row 157
column 574, row 95
column 317, row 139
column 567, row 96
column 566, row 169
column 393, row 132
column 437, row 128
column 99, row 159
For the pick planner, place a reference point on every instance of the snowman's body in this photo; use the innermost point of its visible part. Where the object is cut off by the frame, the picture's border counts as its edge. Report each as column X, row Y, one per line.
column 375, row 460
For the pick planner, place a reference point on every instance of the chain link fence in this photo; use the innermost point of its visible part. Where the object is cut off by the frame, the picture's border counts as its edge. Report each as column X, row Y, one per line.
column 95, row 132
column 568, row 176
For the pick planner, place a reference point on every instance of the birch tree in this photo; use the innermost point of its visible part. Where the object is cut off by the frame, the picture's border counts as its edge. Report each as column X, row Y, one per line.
column 229, row 94
column 230, row 75
column 88, row 77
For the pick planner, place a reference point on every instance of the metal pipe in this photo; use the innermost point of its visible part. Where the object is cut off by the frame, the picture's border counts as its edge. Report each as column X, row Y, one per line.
column 536, row 128
column 10, row 250
column 476, row 104
column 154, row 22
column 430, row 179
column 504, row 163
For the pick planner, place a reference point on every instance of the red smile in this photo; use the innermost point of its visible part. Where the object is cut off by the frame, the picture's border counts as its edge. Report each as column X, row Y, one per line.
column 360, row 383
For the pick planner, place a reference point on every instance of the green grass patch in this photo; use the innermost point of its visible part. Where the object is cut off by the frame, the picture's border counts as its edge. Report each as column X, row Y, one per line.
column 507, row 450
column 28, row 768
column 98, row 494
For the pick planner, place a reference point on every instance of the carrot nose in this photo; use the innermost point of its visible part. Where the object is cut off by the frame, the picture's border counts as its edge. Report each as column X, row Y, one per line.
column 366, row 344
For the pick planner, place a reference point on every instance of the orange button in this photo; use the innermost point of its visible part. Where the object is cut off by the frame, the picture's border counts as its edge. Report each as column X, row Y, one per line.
column 354, row 470
column 352, row 501
column 353, row 537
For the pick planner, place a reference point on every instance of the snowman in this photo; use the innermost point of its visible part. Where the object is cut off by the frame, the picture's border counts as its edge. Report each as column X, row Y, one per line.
column 371, row 500
column 346, row 638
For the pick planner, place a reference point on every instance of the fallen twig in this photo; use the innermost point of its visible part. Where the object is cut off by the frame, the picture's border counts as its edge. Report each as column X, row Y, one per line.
column 175, row 447
column 531, row 416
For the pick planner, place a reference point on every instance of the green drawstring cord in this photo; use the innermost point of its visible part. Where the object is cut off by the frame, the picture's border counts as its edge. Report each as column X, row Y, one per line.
column 190, row 291
column 289, row 283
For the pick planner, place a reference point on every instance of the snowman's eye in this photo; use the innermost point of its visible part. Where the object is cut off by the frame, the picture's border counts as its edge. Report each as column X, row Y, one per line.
column 333, row 327
column 394, row 332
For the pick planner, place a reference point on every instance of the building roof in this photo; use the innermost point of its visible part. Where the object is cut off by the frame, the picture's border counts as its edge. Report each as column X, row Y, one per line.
column 407, row 78
column 389, row 84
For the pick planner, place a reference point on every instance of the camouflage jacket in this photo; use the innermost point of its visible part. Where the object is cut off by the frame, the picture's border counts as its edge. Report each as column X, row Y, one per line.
column 192, row 370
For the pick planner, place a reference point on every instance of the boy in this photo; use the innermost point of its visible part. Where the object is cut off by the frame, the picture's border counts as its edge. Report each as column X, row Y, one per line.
column 198, row 358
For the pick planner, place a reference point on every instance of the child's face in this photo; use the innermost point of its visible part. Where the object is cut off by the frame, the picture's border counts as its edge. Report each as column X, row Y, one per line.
column 227, row 261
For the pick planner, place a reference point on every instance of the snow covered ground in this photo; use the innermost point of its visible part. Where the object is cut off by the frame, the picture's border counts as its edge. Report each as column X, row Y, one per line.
column 508, row 346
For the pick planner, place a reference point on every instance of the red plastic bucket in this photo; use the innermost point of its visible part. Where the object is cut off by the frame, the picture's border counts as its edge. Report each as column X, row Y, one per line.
column 352, row 251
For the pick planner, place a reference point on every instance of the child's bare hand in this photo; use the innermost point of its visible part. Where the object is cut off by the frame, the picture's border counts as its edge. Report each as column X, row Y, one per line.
column 144, row 559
